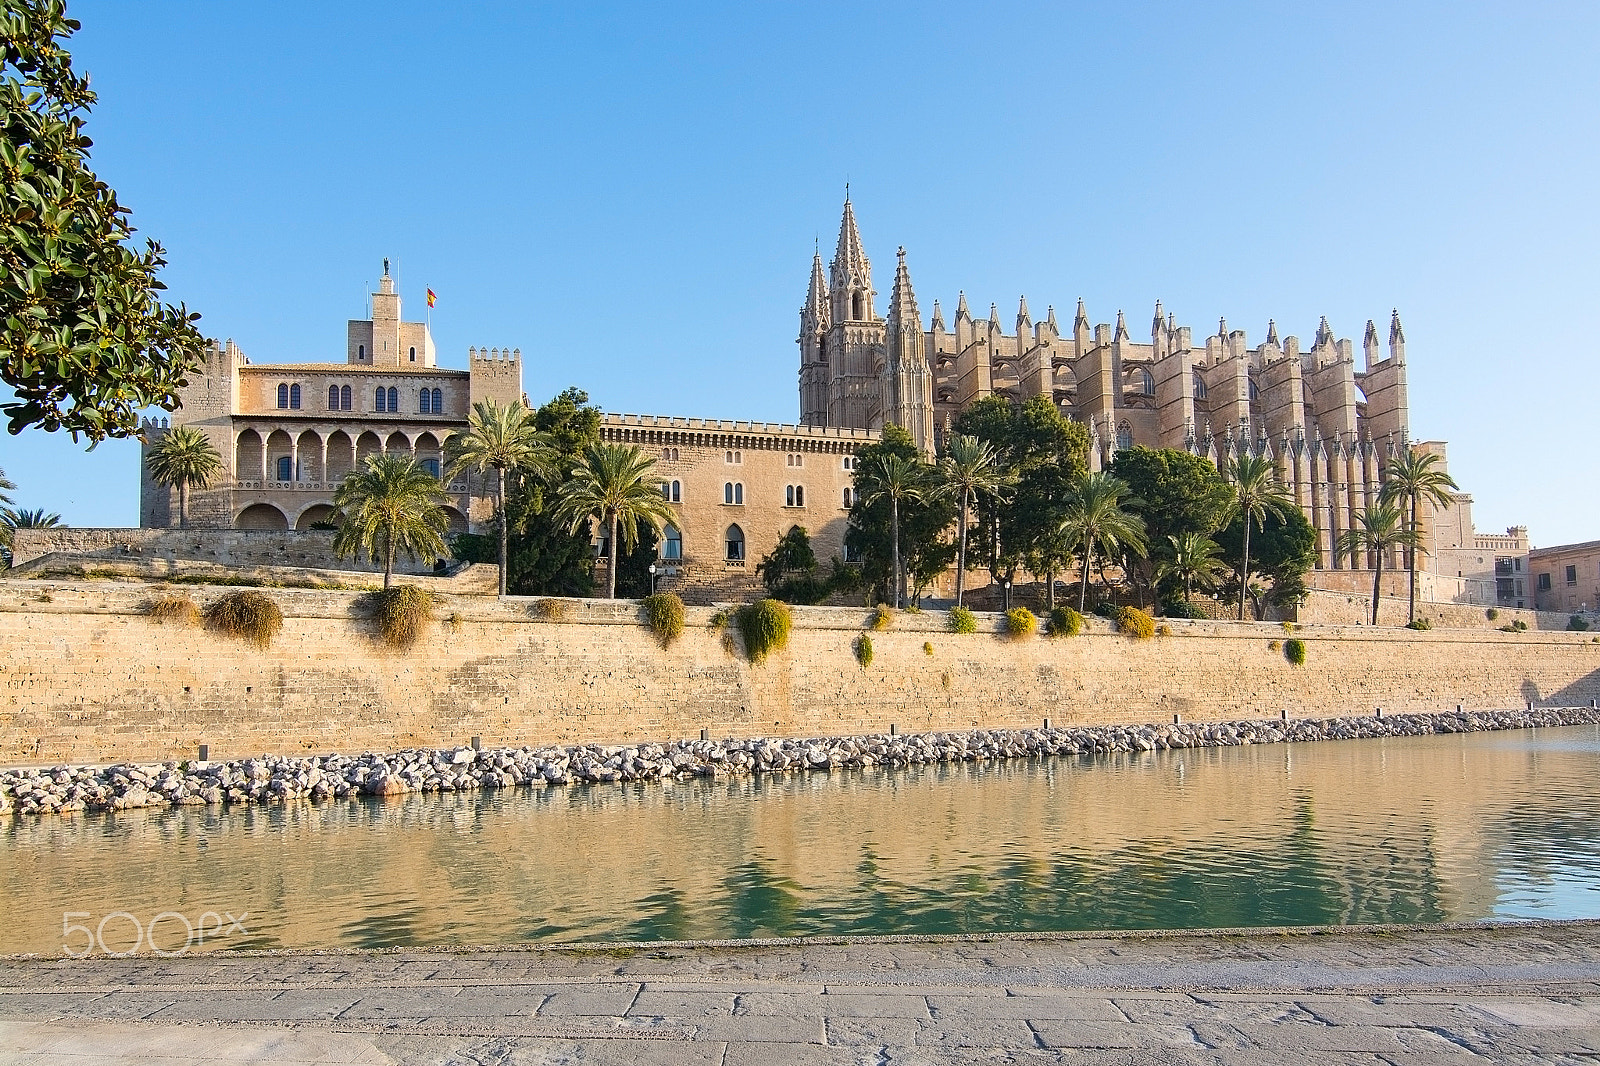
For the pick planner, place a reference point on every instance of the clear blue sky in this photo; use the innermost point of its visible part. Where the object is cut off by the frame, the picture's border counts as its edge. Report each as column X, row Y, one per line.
column 629, row 193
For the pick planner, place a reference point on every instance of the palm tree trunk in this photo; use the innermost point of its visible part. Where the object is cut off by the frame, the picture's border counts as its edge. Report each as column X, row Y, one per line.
column 961, row 553
column 1083, row 585
column 388, row 559
column 611, row 570
column 894, row 530
column 1377, row 584
column 1411, row 554
column 183, row 505
column 1244, row 576
column 500, row 502
column 1050, row 590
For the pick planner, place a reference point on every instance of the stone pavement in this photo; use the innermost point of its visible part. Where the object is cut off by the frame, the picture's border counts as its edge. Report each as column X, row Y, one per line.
column 1389, row 997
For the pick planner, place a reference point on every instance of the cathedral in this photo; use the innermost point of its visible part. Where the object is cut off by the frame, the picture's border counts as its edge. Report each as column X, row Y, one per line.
column 1327, row 424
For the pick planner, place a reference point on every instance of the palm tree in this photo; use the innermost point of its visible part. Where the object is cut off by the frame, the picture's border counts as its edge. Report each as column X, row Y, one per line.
column 612, row 484
column 968, row 466
column 11, row 521
column 1195, row 562
column 182, row 458
column 1095, row 521
column 1376, row 530
column 502, row 439
column 1412, row 477
column 6, row 485
column 393, row 505
column 1256, row 494
column 898, row 479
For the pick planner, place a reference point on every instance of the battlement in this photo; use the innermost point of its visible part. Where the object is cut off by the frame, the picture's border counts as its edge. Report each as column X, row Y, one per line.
column 502, row 356
column 611, row 420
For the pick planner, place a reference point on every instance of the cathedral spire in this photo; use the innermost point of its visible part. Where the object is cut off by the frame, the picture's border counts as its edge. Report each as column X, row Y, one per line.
column 1272, row 333
column 1082, row 318
column 902, row 301
column 1324, row 332
column 850, row 274
column 1122, row 329
column 1050, row 318
column 962, row 310
column 817, row 295
column 1397, row 338
column 938, row 318
column 1022, row 311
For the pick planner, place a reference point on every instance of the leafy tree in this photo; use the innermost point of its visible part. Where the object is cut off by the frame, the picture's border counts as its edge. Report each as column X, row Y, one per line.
column 633, row 569
column 184, row 458
column 503, row 439
column 1177, row 494
column 899, row 480
column 925, row 553
column 1256, row 494
column 85, row 341
column 1409, row 478
column 1194, row 560
column 968, row 467
column 790, row 570
column 392, row 505
column 1377, row 529
column 1095, row 521
column 611, row 484
column 1283, row 549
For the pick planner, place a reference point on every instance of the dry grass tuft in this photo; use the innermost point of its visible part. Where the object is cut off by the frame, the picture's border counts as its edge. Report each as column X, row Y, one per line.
column 174, row 610
column 249, row 615
column 401, row 613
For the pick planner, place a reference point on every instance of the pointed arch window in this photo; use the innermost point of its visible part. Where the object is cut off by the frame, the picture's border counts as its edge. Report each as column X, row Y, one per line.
column 735, row 543
column 1124, row 436
column 672, row 545
column 1199, row 387
column 333, row 397
column 1147, row 383
column 413, row 355
column 794, row 496
column 733, row 493
column 344, row 398
column 673, row 491
column 1255, row 390
column 361, row 351
column 283, row 397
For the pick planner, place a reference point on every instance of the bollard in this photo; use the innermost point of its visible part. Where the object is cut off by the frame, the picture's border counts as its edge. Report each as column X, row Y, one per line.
column 1377, row 712
column 1177, row 719
column 705, row 734
column 205, row 753
column 1458, row 708
column 894, row 730
column 1047, row 723
column 1530, row 705
column 1594, row 705
column 1283, row 715
column 477, row 743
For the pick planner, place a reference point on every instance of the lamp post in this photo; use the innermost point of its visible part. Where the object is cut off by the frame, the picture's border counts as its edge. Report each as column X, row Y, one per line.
column 652, row 579
column 1007, row 585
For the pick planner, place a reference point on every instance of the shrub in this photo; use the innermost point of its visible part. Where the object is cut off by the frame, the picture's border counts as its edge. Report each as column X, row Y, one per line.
column 864, row 651
column 1420, row 624
column 1520, row 626
column 1577, row 624
column 1163, row 630
column 1491, row 614
column 718, row 620
column 550, row 610
column 400, row 613
column 1289, row 627
column 178, row 610
column 663, row 613
column 1274, row 645
column 962, row 621
column 1020, row 623
column 765, row 627
column 454, row 621
column 1065, row 622
column 1106, row 610
column 882, row 617
column 1182, row 609
column 1508, row 629
column 1295, row 651
column 1136, row 623
column 927, row 647
column 248, row 615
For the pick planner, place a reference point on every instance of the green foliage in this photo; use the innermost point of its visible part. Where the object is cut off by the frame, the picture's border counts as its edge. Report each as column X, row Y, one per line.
column 1189, row 561
column 924, row 516
column 11, row 521
column 546, row 557
column 1183, row 501
column 1163, row 630
column 1020, row 623
column 882, row 617
column 863, row 650
column 765, row 627
column 969, row 467
column 961, row 620
column 1257, row 495
column 391, row 507
column 174, row 610
column 1377, row 529
column 1577, row 624
column 502, row 439
column 1135, row 623
column 1181, row 609
column 248, row 615
column 86, row 342
column 1065, row 622
column 927, row 647
column 1491, row 614
column 549, row 610
column 1294, row 650
column 612, row 485
column 664, row 615
column 183, row 458
column 719, row 620
column 791, row 574
column 1409, row 478
column 401, row 613
column 1420, row 623
column 1283, row 549
column 1094, row 521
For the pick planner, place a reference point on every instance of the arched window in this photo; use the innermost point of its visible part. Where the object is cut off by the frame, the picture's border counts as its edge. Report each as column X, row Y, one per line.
column 1255, row 390
column 283, row 397
column 381, row 399
column 294, row 397
column 333, row 397
column 344, row 398
column 1199, row 387
column 285, row 468
column 413, row 355
column 733, row 492
column 672, row 547
column 677, row 492
column 846, row 499
column 857, row 308
column 727, row 492
column 735, row 543
column 394, row 400
column 1124, row 436
column 799, row 495
column 1147, row 382
column 788, row 495
column 438, row 401
column 361, row 351
column 431, row 466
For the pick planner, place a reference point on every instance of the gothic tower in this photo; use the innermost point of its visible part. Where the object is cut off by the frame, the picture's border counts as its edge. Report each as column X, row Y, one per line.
column 815, row 319
column 907, row 382
column 853, row 343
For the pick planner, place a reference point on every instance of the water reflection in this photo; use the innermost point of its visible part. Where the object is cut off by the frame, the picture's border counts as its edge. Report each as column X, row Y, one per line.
column 1411, row 830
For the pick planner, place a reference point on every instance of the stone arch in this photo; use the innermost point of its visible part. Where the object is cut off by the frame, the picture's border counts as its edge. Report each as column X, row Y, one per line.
column 367, row 445
column 247, row 455
column 309, row 447
column 457, row 520
column 261, row 516
column 317, row 512
column 397, row 444
column 734, row 543
column 341, row 455
column 280, row 446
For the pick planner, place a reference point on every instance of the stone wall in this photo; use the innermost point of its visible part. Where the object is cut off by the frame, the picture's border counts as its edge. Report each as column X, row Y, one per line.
column 85, row 677
column 1324, row 607
column 222, row 547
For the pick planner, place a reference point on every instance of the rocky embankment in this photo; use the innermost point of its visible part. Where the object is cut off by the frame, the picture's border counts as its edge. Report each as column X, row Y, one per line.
column 273, row 778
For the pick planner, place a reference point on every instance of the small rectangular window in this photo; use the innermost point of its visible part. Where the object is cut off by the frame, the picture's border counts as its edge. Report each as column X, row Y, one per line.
column 1544, row 582
column 1572, row 575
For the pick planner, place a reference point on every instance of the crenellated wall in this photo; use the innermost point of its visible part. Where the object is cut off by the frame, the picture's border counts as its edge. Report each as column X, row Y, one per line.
column 86, row 677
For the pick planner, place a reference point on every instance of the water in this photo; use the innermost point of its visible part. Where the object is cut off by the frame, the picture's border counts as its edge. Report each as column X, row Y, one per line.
column 1480, row 826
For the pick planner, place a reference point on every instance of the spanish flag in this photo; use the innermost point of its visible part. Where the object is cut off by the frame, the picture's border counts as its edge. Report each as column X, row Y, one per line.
column 431, row 297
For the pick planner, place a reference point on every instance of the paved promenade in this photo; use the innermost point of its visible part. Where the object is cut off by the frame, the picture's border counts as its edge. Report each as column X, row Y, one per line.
column 1401, row 998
